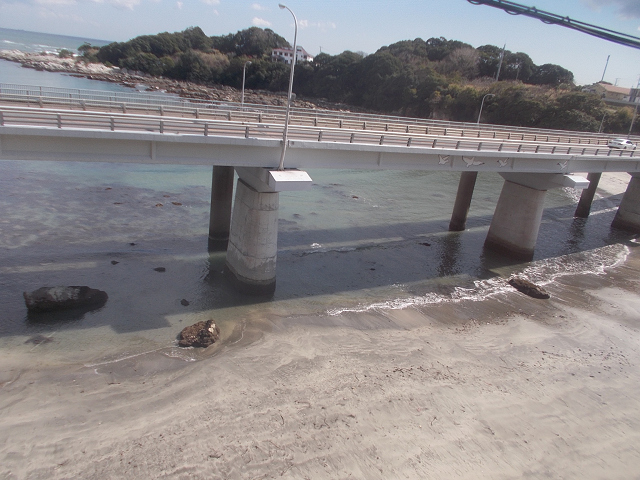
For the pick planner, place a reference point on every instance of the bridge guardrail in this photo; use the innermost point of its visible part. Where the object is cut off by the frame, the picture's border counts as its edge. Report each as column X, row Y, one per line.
column 79, row 120
column 171, row 105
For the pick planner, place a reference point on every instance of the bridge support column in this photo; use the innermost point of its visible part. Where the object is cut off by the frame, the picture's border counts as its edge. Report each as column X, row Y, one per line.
column 220, row 213
column 586, row 199
column 628, row 214
column 253, row 240
column 463, row 201
column 516, row 221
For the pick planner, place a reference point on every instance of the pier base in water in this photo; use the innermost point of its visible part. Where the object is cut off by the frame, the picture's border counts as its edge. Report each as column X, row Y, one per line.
column 628, row 215
column 253, row 242
column 516, row 221
column 463, row 201
column 586, row 198
column 220, row 213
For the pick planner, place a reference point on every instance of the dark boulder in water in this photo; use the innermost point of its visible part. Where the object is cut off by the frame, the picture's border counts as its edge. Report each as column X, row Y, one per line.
column 47, row 299
column 201, row 334
column 528, row 288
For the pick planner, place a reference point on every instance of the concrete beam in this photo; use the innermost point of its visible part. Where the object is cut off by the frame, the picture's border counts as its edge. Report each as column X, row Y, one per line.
column 546, row 181
column 270, row 180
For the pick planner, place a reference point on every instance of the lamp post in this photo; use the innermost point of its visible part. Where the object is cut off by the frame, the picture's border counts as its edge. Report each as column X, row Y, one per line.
column 601, row 123
column 293, row 64
column 244, row 74
column 482, row 105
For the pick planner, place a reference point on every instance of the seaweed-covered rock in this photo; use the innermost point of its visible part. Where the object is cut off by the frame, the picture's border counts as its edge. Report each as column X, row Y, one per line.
column 201, row 334
column 46, row 299
column 528, row 288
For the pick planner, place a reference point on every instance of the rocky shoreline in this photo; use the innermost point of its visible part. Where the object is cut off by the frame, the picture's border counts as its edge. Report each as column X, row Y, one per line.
column 51, row 62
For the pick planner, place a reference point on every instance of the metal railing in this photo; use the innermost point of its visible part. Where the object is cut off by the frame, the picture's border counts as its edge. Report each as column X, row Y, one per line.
column 80, row 120
column 174, row 106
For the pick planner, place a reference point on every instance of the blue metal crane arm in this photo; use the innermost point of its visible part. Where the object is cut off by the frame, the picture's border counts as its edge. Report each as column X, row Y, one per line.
column 513, row 8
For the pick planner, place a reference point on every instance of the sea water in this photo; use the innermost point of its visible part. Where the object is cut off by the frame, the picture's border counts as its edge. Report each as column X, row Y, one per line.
column 359, row 242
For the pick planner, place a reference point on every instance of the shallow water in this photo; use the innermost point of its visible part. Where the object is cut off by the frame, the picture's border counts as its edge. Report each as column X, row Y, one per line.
column 358, row 241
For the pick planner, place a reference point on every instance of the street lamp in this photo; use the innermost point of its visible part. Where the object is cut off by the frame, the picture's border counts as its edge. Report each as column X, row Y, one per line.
column 601, row 123
column 244, row 74
column 482, row 105
column 293, row 64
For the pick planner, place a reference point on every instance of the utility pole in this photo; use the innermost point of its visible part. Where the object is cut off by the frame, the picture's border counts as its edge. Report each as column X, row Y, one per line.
column 605, row 67
column 500, row 64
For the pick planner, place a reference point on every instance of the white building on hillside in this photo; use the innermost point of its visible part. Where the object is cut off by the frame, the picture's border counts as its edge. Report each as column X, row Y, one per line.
column 286, row 55
column 613, row 94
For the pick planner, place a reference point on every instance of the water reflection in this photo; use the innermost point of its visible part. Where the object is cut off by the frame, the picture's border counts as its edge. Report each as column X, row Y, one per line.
column 449, row 254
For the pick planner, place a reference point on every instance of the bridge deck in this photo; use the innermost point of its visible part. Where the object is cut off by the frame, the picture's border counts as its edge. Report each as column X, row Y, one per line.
column 236, row 136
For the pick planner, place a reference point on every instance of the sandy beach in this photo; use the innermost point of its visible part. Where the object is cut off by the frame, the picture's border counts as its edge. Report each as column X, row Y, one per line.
column 508, row 387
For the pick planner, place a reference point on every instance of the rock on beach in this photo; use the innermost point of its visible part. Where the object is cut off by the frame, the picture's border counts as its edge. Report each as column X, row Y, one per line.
column 46, row 299
column 201, row 334
column 528, row 288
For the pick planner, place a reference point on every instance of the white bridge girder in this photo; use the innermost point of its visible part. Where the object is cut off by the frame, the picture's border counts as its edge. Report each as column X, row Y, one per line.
column 51, row 144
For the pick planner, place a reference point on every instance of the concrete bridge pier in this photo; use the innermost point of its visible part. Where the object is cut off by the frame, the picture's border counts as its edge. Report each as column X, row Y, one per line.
column 220, row 213
column 628, row 214
column 463, row 201
column 586, row 199
column 253, row 238
column 516, row 221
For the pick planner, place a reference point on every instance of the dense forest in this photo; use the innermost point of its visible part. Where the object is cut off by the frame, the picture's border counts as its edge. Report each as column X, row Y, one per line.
column 434, row 78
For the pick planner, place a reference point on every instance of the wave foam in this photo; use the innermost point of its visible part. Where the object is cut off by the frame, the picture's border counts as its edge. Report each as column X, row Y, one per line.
column 541, row 272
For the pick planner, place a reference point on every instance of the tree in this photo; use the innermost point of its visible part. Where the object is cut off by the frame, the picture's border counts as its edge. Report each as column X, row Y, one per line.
column 148, row 63
column 517, row 105
column 489, row 60
column 88, row 52
column 517, row 66
column 438, row 48
column 192, row 67
column 251, row 42
column 332, row 77
column 550, row 74
column 429, row 93
column 462, row 61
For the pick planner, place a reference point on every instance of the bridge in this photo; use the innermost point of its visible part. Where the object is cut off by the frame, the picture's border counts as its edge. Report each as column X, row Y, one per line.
column 53, row 124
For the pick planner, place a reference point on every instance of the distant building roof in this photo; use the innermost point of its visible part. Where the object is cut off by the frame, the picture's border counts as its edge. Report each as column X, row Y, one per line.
column 614, row 88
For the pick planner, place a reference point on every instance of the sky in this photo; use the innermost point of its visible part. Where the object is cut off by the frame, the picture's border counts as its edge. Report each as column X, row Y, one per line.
column 333, row 26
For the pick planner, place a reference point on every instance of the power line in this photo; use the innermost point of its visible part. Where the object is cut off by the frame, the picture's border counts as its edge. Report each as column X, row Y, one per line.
column 513, row 8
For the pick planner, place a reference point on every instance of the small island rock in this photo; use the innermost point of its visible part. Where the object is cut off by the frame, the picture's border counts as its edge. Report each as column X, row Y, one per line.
column 528, row 288
column 201, row 334
column 46, row 299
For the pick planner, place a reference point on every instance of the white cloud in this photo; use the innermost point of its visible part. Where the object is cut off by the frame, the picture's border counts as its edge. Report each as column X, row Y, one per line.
column 627, row 8
column 260, row 22
column 123, row 4
column 55, row 3
column 322, row 26
column 257, row 6
column 179, row 5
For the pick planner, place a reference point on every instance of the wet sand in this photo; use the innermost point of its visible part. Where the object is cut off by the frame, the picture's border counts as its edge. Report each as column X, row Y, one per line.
column 510, row 387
